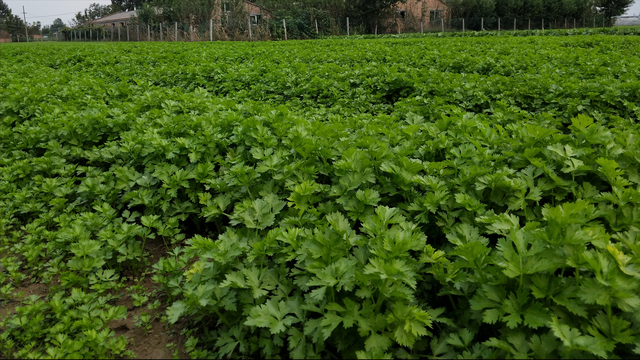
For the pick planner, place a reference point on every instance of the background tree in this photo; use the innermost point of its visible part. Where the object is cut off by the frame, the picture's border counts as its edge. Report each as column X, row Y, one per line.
column 127, row 5
column 57, row 25
column 611, row 8
column 472, row 8
column 94, row 11
column 34, row 28
column 524, row 9
column 9, row 22
column 192, row 12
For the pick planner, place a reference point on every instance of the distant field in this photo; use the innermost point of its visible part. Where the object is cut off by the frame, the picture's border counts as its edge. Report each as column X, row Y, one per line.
column 409, row 197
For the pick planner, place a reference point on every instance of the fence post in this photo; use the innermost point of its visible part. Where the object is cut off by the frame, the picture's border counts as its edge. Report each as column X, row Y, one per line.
column 317, row 32
column 191, row 32
column 284, row 24
column 421, row 27
column 250, row 34
column 529, row 24
column 498, row 24
column 442, row 23
column 594, row 22
column 565, row 23
column 481, row 24
column 348, row 27
column 176, row 31
column 119, row 32
column 127, row 32
column 148, row 32
column 90, row 34
column 462, row 24
column 574, row 23
column 210, row 29
column 514, row 25
column 542, row 24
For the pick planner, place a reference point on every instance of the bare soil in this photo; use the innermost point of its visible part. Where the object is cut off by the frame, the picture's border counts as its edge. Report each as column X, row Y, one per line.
column 159, row 342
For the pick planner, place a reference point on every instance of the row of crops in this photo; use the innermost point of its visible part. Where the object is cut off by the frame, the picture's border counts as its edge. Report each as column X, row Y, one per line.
column 406, row 198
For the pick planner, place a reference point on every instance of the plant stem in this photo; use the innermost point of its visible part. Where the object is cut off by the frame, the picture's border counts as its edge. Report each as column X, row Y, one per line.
column 222, row 318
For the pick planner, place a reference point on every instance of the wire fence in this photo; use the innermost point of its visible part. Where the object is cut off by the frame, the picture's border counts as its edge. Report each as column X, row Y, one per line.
column 252, row 29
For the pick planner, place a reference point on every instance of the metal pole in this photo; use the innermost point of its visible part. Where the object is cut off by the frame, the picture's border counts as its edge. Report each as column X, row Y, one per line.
column 565, row 23
column 594, row 22
column 284, row 24
column 542, row 24
column 148, row 32
column 421, row 27
column 348, row 27
column 514, row 25
column 498, row 24
column 176, row 31
column 462, row 24
column 442, row 23
column 191, row 32
column 317, row 32
column 529, row 24
column 160, row 31
column 210, row 29
column 90, row 34
column 26, row 31
column 127, row 32
column 112, row 33
column 481, row 24
column 119, row 32
column 138, row 31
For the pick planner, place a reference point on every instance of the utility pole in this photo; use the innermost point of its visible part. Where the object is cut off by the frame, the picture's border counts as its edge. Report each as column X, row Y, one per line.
column 26, row 31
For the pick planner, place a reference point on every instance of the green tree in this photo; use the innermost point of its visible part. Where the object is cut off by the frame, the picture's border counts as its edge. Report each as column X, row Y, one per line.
column 127, row 5
column 57, row 25
column 9, row 22
column 611, row 8
column 473, row 8
column 182, row 11
column 94, row 11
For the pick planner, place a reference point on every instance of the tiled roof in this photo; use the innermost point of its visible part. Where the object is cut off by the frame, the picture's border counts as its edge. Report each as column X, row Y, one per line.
column 123, row 16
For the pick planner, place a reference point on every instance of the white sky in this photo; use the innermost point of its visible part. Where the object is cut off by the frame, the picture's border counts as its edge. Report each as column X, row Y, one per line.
column 46, row 11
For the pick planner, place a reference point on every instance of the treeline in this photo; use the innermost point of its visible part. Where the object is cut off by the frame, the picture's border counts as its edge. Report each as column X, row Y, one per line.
column 12, row 26
column 532, row 9
column 368, row 11
column 538, row 9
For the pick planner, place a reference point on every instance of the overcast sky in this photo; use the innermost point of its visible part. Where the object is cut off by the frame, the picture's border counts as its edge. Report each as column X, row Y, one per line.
column 46, row 11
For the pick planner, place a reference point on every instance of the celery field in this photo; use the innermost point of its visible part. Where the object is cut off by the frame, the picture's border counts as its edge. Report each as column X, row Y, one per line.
column 399, row 197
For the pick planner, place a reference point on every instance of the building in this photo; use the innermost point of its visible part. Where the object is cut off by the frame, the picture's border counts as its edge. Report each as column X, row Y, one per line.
column 428, row 10
column 115, row 20
column 421, row 13
column 627, row 21
column 5, row 36
column 225, row 10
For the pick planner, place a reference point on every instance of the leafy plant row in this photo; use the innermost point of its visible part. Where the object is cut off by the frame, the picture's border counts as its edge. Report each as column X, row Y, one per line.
column 423, row 202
